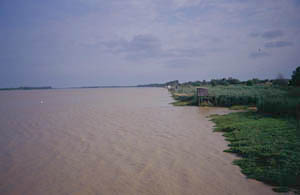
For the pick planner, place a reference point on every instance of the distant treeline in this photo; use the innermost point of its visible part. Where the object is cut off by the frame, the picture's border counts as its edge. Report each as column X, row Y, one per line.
column 232, row 81
column 280, row 81
column 27, row 88
column 171, row 83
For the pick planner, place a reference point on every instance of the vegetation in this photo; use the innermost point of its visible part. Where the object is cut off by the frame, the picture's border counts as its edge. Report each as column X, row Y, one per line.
column 280, row 106
column 25, row 88
column 184, row 100
column 269, row 147
column 232, row 95
column 295, row 81
column 171, row 83
column 273, row 97
column 266, row 137
column 281, row 81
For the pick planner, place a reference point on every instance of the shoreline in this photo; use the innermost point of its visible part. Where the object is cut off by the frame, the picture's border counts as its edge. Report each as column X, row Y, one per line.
column 250, row 161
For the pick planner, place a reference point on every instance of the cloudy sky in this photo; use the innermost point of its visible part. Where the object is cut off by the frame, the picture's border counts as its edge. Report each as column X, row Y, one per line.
column 66, row 43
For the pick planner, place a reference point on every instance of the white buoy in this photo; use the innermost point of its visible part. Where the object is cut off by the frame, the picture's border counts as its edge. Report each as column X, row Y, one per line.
column 42, row 102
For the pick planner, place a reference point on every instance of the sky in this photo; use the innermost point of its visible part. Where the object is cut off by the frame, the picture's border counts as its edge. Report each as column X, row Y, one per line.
column 66, row 43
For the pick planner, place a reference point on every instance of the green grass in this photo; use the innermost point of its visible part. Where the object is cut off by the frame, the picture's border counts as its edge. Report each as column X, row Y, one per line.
column 236, row 90
column 184, row 100
column 269, row 147
column 186, row 89
column 247, row 91
column 179, row 103
column 281, row 106
column 283, row 101
column 232, row 95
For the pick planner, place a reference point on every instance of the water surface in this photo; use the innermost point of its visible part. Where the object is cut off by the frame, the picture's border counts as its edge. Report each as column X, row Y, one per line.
column 112, row 141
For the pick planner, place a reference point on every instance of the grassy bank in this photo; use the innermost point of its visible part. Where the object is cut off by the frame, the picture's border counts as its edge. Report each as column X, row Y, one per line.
column 279, row 106
column 236, row 90
column 267, row 135
column 184, row 99
column 282, row 101
column 269, row 147
column 233, row 95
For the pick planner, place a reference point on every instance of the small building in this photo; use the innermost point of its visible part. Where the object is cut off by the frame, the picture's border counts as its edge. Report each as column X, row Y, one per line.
column 202, row 92
column 202, row 96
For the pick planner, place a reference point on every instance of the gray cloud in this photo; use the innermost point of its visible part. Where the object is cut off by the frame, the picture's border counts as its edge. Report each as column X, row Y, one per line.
column 184, row 52
column 267, row 34
column 254, row 34
column 258, row 54
column 149, row 46
column 70, row 42
column 275, row 44
column 180, row 63
column 144, row 43
column 139, row 47
column 272, row 34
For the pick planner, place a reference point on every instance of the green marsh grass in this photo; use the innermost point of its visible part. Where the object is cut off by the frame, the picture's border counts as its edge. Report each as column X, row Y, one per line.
column 269, row 147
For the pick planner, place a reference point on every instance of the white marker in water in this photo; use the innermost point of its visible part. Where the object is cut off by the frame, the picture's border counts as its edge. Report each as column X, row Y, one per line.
column 42, row 102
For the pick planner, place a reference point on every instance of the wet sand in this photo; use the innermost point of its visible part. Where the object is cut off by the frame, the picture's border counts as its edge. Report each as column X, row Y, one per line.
column 113, row 141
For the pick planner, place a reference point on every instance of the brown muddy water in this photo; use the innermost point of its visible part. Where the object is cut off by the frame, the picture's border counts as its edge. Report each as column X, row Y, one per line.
column 113, row 141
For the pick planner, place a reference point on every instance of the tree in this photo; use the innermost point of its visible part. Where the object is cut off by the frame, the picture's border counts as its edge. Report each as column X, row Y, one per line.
column 296, row 77
column 213, row 82
column 280, row 80
column 255, row 81
column 233, row 81
column 249, row 82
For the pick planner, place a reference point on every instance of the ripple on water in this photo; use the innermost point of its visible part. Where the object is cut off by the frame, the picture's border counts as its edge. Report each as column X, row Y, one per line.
column 113, row 141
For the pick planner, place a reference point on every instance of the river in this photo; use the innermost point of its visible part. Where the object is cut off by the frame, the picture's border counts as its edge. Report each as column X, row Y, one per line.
column 113, row 141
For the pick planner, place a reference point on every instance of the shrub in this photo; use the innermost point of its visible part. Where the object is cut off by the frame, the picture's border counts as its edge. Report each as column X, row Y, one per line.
column 281, row 81
column 283, row 106
column 269, row 147
column 249, row 83
column 296, row 77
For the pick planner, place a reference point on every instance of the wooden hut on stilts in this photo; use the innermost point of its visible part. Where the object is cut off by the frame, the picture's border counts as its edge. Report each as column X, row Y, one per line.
column 202, row 95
